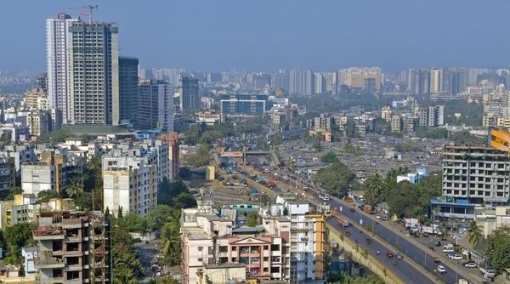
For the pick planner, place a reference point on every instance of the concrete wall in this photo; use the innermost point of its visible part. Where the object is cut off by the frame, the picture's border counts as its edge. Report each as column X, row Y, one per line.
column 366, row 260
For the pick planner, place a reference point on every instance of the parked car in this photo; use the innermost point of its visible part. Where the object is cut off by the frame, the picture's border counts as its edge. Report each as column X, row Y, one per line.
column 441, row 269
column 456, row 257
column 470, row 265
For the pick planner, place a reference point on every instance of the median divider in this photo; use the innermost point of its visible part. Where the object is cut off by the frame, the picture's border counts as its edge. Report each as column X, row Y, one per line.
column 362, row 256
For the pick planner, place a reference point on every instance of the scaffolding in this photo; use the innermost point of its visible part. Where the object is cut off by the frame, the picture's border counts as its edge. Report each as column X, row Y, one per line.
column 99, row 250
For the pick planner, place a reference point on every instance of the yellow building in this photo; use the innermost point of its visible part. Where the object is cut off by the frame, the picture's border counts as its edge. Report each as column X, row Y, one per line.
column 319, row 223
column 500, row 140
column 210, row 173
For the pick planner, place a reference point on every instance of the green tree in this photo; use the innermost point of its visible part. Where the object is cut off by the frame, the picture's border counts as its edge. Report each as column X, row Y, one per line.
column 330, row 158
column 499, row 253
column 198, row 159
column 16, row 237
column 168, row 191
column 157, row 217
column 375, row 190
column 171, row 240
column 252, row 220
column 335, row 177
column 133, row 223
column 14, row 191
column 75, row 188
column 46, row 195
column 474, row 233
column 56, row 136
column 126, row 265
column 184, row 200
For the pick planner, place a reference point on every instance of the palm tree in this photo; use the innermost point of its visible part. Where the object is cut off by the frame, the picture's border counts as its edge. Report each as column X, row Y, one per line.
column 474, row 233
column 75, row 188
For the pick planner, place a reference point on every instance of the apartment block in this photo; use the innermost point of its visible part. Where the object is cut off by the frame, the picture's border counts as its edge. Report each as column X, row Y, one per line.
column 73, row 247
column 491, row 218
column 478, row 174
column 54, row 171
column 7, row 173
column 172, row 140
column 209, row 241
column 307, row 239
column 131, row 175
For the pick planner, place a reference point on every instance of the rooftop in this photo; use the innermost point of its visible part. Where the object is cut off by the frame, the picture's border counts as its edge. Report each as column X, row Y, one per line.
column 195, row 234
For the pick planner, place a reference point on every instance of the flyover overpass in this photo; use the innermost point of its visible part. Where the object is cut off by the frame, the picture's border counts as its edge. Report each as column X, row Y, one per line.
column 406, row 271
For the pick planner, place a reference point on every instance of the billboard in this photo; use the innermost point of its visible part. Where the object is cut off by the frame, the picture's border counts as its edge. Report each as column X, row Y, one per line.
column 500, row 139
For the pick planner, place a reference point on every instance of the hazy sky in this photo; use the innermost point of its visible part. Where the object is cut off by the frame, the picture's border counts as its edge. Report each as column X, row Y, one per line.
column 217, row 35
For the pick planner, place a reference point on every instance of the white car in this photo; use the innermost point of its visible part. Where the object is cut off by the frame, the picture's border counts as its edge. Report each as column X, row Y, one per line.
column 470, row 265
column 456, row 257
column 441, row 269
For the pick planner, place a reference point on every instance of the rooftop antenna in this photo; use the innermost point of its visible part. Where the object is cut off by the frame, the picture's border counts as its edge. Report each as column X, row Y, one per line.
column 90, row 13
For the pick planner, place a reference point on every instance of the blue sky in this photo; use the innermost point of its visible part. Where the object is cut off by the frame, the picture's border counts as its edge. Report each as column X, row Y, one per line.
column 217, row 35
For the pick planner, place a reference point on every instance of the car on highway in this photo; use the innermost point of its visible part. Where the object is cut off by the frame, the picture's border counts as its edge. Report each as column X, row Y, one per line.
column 389, row 255
column 399, row 255
column 441, row 269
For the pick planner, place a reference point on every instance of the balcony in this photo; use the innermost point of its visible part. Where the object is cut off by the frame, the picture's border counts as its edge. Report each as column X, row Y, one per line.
column 72, row 239
column 46, row 260
column 48, row 233
column 300, row 228
column 73, row 267
column 73, row 253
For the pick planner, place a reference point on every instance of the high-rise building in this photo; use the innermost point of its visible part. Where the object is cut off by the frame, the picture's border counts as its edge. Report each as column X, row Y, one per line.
column 418, row 81
column 301, row 82
column 319, row 83
column 478, row 174
column 128, row 88
column 190, row 97
column 58, row 62
column 155, row 105
column 93, row 73
column 436, row 80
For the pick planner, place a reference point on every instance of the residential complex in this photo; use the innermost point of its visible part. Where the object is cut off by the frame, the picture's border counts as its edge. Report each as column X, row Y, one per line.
column 131, row 176
column 58, row 41
column 155, row 105
column 287, row 246
column 472, row 176
column 128, row 89
column 93, row 94
column 244, row 104
column 190, row 96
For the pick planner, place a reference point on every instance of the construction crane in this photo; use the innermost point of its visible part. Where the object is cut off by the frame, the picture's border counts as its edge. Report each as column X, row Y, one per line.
column 90, row 8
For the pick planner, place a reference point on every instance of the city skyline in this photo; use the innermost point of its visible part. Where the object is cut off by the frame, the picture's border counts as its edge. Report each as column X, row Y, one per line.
column 257, row 36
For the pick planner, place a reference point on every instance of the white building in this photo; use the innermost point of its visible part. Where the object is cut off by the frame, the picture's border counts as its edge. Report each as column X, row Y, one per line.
column 58, row 62
column 307, row 239
column 131, row 175
column 37, row 177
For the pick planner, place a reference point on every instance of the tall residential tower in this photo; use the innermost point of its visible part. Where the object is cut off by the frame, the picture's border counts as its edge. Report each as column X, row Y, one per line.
column 57, row 60
column 83, row 70
column 94, row 73
column 190, row 97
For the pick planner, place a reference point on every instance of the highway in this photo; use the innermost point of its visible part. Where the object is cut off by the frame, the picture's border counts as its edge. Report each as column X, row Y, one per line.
column 403, row 269
column 402, row 242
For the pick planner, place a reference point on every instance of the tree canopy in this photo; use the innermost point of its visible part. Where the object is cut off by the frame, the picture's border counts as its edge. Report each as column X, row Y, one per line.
column 404, row 199
column 175, row 194
column 335, row 177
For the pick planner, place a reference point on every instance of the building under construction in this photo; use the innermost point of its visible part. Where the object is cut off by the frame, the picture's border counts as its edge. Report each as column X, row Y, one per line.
column 74, row 247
